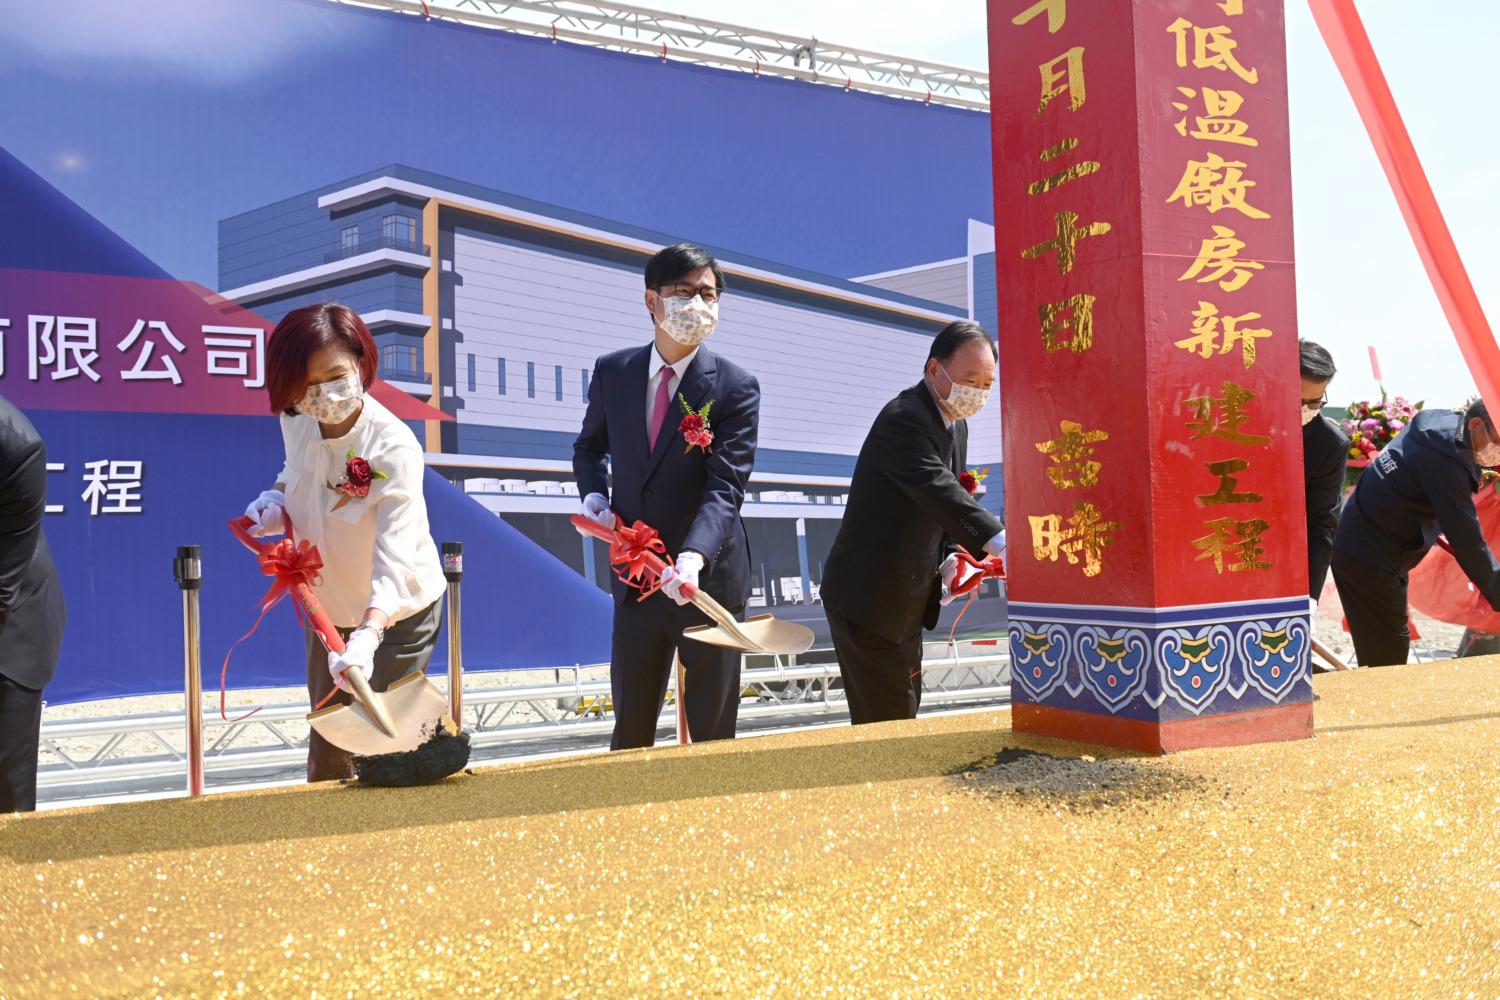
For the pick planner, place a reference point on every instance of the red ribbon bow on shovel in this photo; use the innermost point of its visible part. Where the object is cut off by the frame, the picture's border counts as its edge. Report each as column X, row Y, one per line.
column 992, row 568
column 629, row 552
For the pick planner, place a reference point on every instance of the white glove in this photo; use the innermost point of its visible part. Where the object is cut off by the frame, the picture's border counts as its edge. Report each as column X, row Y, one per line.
column 266, row 510
column 996, row 546
column 689, row 565
column 596, row 508
column 359, row 653
column 953, row 572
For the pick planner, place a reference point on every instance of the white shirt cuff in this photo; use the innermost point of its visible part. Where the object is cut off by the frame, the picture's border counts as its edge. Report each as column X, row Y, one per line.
column 996, row 545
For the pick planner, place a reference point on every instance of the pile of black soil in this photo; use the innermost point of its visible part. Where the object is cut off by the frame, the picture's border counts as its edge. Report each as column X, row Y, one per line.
column 443, row 753
column 1083, row 784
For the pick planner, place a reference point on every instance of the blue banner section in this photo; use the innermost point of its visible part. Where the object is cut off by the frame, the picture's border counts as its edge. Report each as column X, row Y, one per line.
column 169, row 480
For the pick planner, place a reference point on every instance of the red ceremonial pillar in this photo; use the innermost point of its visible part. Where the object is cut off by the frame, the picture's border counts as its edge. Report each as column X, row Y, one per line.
column 1148, row 371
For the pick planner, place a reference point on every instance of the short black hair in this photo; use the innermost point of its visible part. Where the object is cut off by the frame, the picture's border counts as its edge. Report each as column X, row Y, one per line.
column 1317, row 363
column 671, row 264
column 956, row 334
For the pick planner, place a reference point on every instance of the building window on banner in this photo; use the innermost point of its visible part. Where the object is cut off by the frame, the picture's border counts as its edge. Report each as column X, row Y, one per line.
column 113, row 487
column 583, row 382
column 349, row 237
column 500, row 379
column 557, row 378
column 400, row 358
column 473, row 379
column 531, row 380
column 399, row 228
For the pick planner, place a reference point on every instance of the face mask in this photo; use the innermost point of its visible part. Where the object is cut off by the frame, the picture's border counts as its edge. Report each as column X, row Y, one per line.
column 1489, row 457
column 1309, row 415
column 689, row 321
column 964, row 400
column 332, row 402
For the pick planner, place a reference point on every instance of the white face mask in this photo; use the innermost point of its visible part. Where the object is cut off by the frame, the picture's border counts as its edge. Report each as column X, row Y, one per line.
column 1489, row 457
column 689, row 321
column 964, row 400
column 332, row 402
column 1309, row 415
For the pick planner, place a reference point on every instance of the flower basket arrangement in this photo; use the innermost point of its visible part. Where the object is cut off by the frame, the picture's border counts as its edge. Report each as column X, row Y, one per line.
column 1371, row 426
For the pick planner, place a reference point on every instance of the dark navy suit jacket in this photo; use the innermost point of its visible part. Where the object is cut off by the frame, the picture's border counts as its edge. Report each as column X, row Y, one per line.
column 32, row 611
column 693, row 499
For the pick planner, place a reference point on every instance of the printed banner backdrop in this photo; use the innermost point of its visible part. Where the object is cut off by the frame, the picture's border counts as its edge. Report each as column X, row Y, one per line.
column 144, row 173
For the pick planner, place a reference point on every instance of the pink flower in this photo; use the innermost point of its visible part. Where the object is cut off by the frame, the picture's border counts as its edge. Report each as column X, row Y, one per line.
column 1370, row 424
column 1395, row 425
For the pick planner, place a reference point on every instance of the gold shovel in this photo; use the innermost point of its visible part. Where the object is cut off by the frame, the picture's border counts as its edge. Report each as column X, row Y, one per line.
column 761, row 634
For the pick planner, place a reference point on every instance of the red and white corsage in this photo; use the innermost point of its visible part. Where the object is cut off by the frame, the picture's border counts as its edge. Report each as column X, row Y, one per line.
column 358, row 475
column 695, row 428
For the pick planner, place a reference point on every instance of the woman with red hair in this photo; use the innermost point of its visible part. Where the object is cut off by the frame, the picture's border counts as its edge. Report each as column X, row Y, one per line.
column 352, row 485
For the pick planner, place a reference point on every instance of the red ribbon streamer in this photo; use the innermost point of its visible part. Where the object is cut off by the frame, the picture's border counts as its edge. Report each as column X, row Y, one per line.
column 291, row 562
column 630, row 552
column 992, row 568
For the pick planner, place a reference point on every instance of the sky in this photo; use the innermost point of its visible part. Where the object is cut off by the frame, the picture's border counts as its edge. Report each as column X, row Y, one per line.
column 1359, row 279
column 1360, row 282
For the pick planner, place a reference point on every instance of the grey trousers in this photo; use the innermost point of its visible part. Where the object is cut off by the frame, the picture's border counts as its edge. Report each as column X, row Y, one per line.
column 407, row 647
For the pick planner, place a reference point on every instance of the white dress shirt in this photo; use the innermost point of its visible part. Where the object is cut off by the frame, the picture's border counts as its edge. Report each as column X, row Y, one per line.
column 679, row 368
column 377, row 551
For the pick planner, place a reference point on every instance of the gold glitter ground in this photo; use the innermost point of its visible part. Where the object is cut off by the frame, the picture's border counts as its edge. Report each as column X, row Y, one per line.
column 835, row 863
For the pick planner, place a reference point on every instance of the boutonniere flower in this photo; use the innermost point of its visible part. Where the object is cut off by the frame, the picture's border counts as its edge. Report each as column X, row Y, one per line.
column 695, row 428
column 970, row 480
column 358, row 475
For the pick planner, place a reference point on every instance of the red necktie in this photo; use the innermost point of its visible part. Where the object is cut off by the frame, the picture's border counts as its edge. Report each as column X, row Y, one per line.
column 662, row 405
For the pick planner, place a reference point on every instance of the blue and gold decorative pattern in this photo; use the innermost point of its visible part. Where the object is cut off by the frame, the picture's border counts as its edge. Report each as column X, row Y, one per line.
column 1038, row 657
column 1275, row 656
column 1195, row 663
column 1114, row 663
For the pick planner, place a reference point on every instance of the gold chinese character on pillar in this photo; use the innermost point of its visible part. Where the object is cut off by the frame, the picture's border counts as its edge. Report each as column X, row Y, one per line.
column 1217, row 123
column 1077, row 170
column 1063, row 75
column 1072, row 456
column 1074, row 314
column 1231, row 539
column 1212, row 49
column 1207, row 330
column 1057, row 13
column 1069, row 232
column 1216, row 183
column 1218, row 260
column 1226, row 493
column 1221, row 416
column 1086, row 533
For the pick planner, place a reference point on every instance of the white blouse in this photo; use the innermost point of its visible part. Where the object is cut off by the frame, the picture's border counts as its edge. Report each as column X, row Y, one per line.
column 377, row 551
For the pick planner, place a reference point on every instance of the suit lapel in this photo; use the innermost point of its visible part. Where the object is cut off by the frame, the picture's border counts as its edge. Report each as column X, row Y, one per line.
column 637, row 374
column 961, row 446
column 939, row 428
column 697, row 381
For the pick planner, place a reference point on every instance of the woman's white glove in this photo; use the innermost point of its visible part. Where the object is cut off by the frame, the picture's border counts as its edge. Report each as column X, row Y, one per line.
column 266, row 511
column 596, row 508
column 689, row 565
column 358, row 653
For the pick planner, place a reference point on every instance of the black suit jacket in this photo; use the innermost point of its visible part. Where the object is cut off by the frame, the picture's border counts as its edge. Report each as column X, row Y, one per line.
column 904, row 501
column 1325, row 454
column 692, row 499
column 32, row 612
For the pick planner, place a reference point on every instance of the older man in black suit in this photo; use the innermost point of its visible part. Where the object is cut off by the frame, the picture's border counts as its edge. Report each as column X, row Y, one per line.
column 32, row 613
column 883, row 580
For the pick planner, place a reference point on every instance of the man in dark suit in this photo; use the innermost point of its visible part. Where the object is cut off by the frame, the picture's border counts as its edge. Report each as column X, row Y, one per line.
column 32, row 613
column 1325, row 455
column 689, row 488
column 883, row 579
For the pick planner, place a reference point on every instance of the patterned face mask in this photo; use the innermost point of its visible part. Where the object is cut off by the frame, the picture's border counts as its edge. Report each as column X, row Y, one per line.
column 689, row 321
column 1489, row 456
column 332, row 402
column 964, row 400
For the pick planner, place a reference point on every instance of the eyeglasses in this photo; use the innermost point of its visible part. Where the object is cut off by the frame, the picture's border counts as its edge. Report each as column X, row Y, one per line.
column 709, row 295
column 1315, row 404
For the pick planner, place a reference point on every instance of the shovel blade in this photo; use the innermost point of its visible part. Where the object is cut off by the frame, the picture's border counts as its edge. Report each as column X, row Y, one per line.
column 414, row 704
column 766, row 632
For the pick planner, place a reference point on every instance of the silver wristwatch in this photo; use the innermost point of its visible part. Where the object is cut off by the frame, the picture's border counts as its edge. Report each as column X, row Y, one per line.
column 379, row 630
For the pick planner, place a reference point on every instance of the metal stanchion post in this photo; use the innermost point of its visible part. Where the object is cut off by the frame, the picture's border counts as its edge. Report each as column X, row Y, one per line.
column 453, row 569
column 187, row 568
